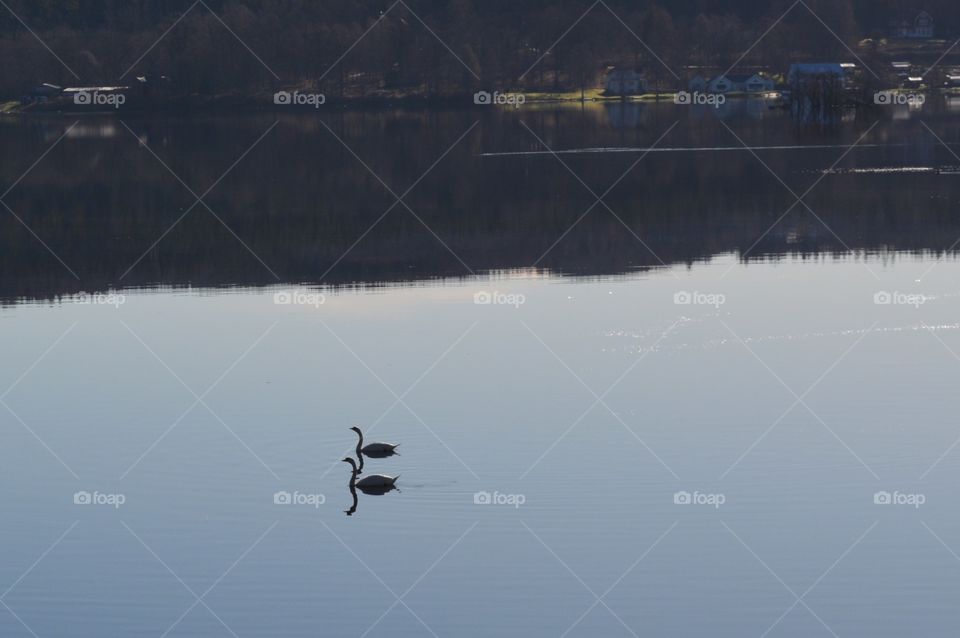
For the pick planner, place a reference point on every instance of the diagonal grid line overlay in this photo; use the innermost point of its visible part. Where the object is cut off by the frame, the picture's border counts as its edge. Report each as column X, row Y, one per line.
column 200, row 598
column 19, row 619
column 160, row 39
column 819, row 19
column 200, row 199
column 762, row 36
column 21, row 178
column 26, row 573
column 37, row 361
column 799, row 399
column 599, row 399
column 440, row 40
column 36, row 436
column 399, row 199
column 22, row 376
column 403, row 394
column 39, row 39
column 638, row 39
column 839, row 39
column 398, row 399
column 200, row 399
column 799, row 199
column 380, row 18
column 953, row 353
column 363, row 35
column 218, row 19
column 239, row 39
column 598, row 599
column 37, row 561
column 799, row 600
column 599, row 199
column 940, row 59
column 954, row 244
column 632, row 32
column 562, row 36
column 37, row 161
column 399, row 599
column 940, row 540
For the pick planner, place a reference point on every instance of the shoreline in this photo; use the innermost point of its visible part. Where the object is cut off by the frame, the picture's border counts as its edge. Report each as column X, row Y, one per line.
column 261, row 103
column 187, row 104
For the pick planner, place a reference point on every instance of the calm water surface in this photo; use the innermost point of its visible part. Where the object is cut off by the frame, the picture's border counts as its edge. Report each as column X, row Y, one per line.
column 781, row 368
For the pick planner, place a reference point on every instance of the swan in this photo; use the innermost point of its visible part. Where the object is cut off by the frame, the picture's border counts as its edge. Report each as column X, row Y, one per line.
column 371, row 481
column 373, row 450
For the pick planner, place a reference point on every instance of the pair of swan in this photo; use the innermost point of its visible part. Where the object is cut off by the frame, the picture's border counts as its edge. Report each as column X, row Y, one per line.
column 375, row 450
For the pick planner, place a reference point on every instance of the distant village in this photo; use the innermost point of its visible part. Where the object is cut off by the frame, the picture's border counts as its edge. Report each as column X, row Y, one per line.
column 809, row 84
column 848, row 78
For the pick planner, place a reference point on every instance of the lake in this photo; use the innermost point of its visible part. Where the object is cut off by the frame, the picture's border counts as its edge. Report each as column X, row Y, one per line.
column 653, row 370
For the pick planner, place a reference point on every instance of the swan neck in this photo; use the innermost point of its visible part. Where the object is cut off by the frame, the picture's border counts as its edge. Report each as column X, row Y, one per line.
column 359, row 446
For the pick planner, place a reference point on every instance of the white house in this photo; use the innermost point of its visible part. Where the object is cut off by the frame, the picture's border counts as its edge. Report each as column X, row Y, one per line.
column 758, row 83
column 720, row 84
column 625, row 82
column 918, row 28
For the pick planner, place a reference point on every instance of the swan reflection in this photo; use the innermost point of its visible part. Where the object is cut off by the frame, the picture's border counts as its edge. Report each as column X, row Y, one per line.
column 373, row 484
